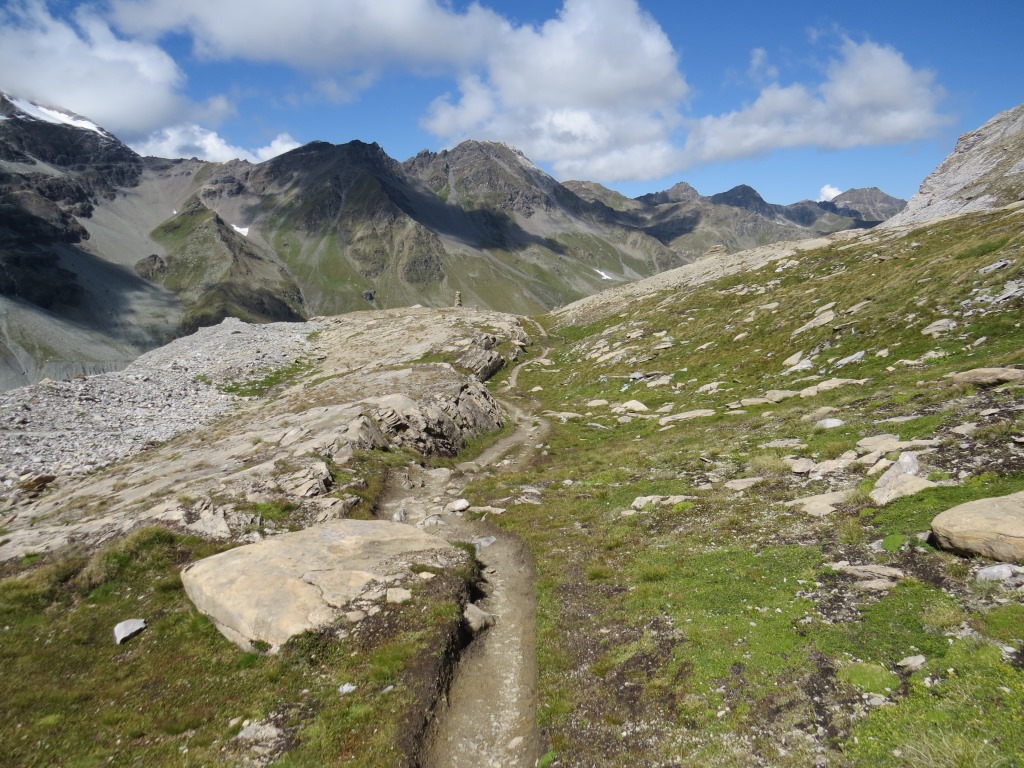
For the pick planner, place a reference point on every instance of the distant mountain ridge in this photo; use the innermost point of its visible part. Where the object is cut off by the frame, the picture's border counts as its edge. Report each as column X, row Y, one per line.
column 104, row 254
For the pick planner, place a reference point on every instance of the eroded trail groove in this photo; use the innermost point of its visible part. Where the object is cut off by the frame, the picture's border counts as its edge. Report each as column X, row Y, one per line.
column 489, row 715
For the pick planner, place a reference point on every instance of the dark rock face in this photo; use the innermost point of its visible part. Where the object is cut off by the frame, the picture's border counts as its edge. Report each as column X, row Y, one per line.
column 743, row 197
column 39, row 211
column 870, row 203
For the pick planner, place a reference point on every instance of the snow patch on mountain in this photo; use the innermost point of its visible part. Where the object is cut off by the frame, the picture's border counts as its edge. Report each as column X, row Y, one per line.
column 243, row 231
column 48, row 115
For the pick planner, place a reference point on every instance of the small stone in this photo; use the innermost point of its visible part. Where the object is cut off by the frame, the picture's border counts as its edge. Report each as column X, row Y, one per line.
column 939, row 327
column 346, row 689
column 634, row 406
column 128, row 629
column 802, row 466
column 459, row 505
column 398, row 595
column 476, row 618
column 830, row 423
column 1001, row 572
column 741, row 484
column 912, row 663
column 989, row 377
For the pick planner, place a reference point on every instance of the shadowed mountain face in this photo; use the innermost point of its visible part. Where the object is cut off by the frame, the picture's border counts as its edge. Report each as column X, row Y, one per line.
column 323, row 229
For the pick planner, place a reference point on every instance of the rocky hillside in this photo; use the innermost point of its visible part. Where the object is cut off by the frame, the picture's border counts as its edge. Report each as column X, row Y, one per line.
column 691, row 224
column 763, row 509
column 985, row 171
column 106, row 254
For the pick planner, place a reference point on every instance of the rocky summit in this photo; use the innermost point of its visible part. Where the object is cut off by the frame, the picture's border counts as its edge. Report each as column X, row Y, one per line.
column 759, row 509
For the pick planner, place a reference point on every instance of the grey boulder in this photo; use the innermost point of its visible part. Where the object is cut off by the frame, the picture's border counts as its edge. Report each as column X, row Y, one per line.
column 992, row 527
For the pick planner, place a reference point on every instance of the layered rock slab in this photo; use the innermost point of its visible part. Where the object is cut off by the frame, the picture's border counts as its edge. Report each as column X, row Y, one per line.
column 992, row 527
column 288, row 584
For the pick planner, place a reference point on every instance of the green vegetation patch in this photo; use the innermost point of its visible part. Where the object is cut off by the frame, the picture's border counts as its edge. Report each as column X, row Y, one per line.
column 179, row 691
column 261, row 386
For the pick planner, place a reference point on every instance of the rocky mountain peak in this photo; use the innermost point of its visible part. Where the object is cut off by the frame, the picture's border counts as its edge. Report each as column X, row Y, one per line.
column 678, row 193
column 985, row 171
column 743, row 196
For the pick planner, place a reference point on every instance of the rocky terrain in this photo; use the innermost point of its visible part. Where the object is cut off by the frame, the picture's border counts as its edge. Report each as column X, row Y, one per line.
column 106, row 254
column 761, row 509
column 985, row 171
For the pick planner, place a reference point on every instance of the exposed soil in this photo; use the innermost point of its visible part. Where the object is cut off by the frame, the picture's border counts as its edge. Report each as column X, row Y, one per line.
column 488, row 717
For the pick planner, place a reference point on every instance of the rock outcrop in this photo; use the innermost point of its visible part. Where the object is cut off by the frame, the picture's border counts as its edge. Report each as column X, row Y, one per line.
column 985, row 171
column 295, row 582
column 363, row 391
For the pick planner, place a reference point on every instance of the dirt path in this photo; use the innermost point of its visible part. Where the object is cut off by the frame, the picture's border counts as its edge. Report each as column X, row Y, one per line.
column 489, row 716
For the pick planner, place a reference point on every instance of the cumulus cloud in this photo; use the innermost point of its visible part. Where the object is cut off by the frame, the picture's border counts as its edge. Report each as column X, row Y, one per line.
column 871, row 96
column 127, row 86
column 595, row 91
column 195, row 141
column 356, row 35
column 597, row 85
column 828, row 192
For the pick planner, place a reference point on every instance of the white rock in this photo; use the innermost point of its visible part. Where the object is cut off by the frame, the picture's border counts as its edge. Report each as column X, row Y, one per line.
column 1000, row 572
column 939, row 327
column 128, row 629
column 398, row 595
column 912, row 663
column 476, row 618
column 634, row 406
column 854, row 358
column 901, row 479
column 820, row 505
column 830, row 423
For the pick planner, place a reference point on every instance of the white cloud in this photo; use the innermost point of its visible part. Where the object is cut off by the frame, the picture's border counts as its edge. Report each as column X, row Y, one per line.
column 759, row 69
column 828, row 192
column 320, row 35
column 195, row 141
column 871, row 96
column 126, row 86
column 595, row 92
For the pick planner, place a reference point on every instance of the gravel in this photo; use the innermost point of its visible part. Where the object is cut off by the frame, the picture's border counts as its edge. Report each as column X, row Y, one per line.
column 74, row 427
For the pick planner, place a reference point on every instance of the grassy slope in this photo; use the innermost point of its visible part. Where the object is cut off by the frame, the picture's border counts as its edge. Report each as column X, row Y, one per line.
column 179, row 693
column 713, row 631
column 708, row 631
column 217, row 273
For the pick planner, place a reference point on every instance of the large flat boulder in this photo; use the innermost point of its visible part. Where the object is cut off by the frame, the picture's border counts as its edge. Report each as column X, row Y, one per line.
column 991, row 527
column 288, row 584
column 990, row 377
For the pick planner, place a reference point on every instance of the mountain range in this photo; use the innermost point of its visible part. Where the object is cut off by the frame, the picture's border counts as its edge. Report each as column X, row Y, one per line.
column 105, row 254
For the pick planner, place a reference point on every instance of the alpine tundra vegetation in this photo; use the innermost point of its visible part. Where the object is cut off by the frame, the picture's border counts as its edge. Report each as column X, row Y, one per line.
column 761, row 509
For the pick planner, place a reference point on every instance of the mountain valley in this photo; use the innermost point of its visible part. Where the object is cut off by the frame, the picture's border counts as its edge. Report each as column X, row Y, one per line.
column 107, row 254
column 759, row 504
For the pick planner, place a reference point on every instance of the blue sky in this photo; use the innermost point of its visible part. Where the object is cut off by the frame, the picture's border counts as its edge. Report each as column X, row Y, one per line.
column 791, row 98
